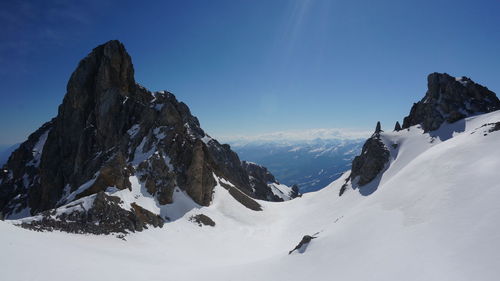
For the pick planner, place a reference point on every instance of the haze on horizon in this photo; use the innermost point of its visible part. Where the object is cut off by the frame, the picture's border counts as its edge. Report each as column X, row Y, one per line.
column 251, row 68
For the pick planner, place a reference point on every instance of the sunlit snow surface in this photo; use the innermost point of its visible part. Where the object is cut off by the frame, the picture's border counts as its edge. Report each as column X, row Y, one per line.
column 434, row 216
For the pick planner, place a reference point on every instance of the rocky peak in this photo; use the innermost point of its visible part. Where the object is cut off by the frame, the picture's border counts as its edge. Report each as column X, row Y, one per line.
column 378, row 128
column 113, row 134
column 449, row 99
column 108, row 66
column 397, row 127
column 258, row 171
column 370, row 163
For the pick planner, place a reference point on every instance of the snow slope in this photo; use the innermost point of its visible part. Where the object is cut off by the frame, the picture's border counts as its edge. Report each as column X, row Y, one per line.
column 432, row 215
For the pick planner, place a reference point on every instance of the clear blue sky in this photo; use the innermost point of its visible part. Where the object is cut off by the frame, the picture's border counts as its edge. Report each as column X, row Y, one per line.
column 251, row 67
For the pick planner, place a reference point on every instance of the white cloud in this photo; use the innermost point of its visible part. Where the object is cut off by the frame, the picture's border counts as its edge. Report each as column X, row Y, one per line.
column 300, row 135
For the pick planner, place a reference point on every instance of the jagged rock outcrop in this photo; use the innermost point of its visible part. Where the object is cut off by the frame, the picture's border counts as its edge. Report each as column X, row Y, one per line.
column 104, row 216
column 110, row 132
column 449, row 99
column 295, row 191
column 258, row 172
column 495, row 127
column 258, row 176
column 372, row 160
column 397, row 127
column 202, row 220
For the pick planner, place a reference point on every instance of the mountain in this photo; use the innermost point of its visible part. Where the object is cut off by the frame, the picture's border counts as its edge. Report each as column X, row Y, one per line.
column 448, row 100
column 118, row 158
column 5, row 152
column 310, row 164
column 421, row 205
column 420, row 202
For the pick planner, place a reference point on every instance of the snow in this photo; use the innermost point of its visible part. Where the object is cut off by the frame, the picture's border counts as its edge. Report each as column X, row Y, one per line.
column 168, row 162
column 38, row 149
column 462, row 80
column 280, row 190
column 140, row 155
column 140, row 196
column 71, row 196
column 206, row 139
column 433, row 216
column 159, row 132
column 25, row 212
column 133, row 130
column 159, row 106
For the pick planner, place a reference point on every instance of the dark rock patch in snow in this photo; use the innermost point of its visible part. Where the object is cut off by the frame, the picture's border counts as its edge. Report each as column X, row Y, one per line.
column 344, row 187
column 244, row 199
column 202, row 220
column 495, row 127
column 302, row 246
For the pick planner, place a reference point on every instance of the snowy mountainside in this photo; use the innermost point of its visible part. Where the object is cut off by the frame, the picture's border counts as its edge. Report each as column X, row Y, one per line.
column 431, row 217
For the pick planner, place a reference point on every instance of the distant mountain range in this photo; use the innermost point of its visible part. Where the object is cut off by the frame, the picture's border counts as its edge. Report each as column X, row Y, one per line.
column 6, row 151
column 311, row 164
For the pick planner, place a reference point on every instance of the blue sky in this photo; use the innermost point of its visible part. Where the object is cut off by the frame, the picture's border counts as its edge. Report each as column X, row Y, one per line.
column 251, row 67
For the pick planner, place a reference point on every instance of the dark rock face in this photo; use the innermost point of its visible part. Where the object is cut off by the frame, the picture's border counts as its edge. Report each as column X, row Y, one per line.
column 378, row 128
column 105, row 216
column 449, row 99
column 259, row 177
column 258, row 172
column 496, row 127
column 202, row 220
column 372, row 160
column 109, row 129
column 241, row 197
column 295, row 191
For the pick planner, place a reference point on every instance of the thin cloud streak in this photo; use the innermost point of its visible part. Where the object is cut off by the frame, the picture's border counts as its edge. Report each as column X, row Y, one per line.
column 301, row 135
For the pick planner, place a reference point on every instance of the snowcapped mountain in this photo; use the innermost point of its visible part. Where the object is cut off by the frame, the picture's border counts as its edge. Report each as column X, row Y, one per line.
column 420, row 202
column 311, row 164
column 117, row 156
column 431, row 217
